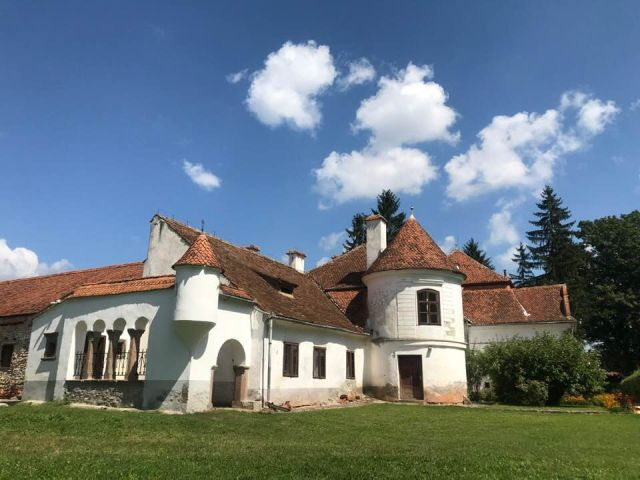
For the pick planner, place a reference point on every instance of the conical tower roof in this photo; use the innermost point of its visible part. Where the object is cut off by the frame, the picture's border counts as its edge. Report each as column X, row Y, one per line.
column 200, row 253
column 412, row 248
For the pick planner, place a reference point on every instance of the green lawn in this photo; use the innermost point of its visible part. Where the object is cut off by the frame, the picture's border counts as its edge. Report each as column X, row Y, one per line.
column 380, row 440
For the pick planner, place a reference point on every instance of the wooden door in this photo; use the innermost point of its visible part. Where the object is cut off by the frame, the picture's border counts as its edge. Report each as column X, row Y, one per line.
column 410, row 368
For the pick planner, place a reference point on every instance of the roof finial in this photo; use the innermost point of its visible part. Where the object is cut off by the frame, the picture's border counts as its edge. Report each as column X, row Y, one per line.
column 411, row 217
column 202, row 225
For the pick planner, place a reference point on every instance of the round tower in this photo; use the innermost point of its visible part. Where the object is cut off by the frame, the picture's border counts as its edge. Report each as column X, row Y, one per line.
column 197, row 283
column 414, row 297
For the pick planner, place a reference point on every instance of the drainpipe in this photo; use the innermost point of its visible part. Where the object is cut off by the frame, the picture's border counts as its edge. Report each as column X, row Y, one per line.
column 270, row 318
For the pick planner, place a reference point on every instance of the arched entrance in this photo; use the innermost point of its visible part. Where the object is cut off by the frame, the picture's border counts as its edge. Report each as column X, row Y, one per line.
column 230, row 376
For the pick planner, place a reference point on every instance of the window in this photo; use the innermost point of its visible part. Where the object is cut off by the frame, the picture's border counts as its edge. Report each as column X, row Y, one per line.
column 290, row 364
column 51, row 345
column 6, row 355
column 351, row 364
column 428, row 307
column 319, row 362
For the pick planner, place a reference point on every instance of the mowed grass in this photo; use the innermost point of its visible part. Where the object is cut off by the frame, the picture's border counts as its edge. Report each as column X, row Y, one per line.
column 374, row 441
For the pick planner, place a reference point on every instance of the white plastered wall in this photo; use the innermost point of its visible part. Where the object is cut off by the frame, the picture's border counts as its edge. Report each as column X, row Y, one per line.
column 482, row 335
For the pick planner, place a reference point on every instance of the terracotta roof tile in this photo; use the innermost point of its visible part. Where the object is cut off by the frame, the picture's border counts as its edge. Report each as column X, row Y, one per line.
column 345, row 270
column 477, row 273
column 353, row 303
column 494, row 306
column 127, row 286
column 199, row 253
column 412, row 248
column 263, row 279
column 32, row 295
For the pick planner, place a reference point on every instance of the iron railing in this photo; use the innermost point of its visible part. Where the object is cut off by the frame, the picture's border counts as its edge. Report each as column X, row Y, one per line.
column 100, row 362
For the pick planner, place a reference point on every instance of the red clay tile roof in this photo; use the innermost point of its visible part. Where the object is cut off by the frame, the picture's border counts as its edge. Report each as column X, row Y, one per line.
column 375, row 216
column 200, row 253
column 353, row 303
column 263, row 279
column 345, row 270
column 127, row 286
column 494, row 306
column 477, row 273
column 412, row 248
column 32, row 295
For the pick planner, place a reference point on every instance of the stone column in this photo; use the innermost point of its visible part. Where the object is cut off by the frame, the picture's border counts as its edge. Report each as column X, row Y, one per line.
column 87, row 364
column 240, row 392
column 134, row 350
column 110, row 368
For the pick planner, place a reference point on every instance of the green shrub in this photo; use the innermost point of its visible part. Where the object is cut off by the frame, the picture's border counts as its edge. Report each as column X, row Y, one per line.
column 476, row 372
column 561, row 364
column 631, row 386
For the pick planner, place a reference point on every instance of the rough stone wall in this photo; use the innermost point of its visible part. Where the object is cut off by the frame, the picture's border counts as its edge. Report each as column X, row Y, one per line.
column 16, row 331
column 107, row 393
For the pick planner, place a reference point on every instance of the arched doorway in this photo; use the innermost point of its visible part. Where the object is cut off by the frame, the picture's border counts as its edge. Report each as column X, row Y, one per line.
column 229, row 379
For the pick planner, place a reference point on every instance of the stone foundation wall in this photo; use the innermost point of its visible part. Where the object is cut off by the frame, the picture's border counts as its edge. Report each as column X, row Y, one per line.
column 104, row 392
column 16, row 331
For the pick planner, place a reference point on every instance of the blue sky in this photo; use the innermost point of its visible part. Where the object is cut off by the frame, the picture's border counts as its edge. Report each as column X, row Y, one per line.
column 103, row 104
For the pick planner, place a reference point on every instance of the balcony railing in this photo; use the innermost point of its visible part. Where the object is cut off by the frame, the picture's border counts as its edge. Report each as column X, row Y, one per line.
column 100, row 361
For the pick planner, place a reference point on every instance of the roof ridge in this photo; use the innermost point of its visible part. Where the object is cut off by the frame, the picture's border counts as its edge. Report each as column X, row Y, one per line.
column 69, row 272
column 541, row 286
column 125, row 281
column 338, row 257
column 479, row 263
column 229, row 243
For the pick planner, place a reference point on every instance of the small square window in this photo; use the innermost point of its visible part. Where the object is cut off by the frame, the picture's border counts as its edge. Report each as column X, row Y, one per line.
column 51, row 345
column 6, row 355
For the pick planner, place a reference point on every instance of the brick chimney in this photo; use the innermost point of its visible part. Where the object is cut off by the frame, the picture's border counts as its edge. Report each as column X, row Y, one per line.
column 296, row 260
column 376, row 237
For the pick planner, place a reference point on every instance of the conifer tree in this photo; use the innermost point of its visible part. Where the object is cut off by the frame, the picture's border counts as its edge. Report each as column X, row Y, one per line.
column 552, row 246
column 524, row 274
column 388, row 206
column 357, row 234
column 472, row 248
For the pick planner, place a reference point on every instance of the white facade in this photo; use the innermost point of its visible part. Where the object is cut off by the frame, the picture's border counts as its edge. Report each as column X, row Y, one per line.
column 482, row 335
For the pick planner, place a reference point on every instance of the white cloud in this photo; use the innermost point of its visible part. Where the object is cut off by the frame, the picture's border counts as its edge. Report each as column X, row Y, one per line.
column 237, row 76
column 448, row 244
column 331, row 241
column 364, row 174
column 21, row 262
column 635, row 105
column 501, row 227
column 407, row 109
column 200, row 176
column 360, row 71
column 504, row 261
column 521, row 151
column 322, row 261
column 286, row 89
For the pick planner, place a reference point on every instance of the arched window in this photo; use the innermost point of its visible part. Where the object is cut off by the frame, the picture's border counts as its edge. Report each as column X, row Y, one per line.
column 428, row 307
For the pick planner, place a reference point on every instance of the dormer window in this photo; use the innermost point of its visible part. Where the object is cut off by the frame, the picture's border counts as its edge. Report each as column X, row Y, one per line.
column 428, row 307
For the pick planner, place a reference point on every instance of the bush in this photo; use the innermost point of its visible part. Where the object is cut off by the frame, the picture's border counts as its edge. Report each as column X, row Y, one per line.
column 559, row 363
column 476, row 372
column 631, row 386
column 574, row 401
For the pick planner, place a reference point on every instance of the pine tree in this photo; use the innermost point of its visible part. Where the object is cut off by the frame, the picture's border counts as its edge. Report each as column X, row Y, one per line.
column 524, row 275
column 472, row 248
column 552, row 247
column 357, row 234
column 388, row 206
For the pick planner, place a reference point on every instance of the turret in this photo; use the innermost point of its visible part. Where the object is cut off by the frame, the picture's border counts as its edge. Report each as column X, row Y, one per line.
column 197, row 283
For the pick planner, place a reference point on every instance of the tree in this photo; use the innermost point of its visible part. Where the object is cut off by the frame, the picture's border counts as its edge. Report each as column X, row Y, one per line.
column 524, row 275
column 609, row 310
column 552, row 246
column 388, row 206
column 357, row 234
column 472, row 248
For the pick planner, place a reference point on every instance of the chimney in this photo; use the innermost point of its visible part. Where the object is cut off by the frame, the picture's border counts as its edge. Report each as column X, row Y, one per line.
column 296, row 260
column 376, row 237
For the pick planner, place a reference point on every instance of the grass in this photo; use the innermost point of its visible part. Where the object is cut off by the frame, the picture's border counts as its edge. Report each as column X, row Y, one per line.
column 375, row 441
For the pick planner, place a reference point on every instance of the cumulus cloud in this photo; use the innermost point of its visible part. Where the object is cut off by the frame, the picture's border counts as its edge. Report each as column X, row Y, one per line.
column 21, row 262
column 364, row 174
column 521, row 151
column 501, row 228
column 331, row 241
column 448, row 244
column 322, row 261
column 200, row 176
column 635, row 105
column 360, row 71
column 406, row 110
column 237, row 76
column 505, row 259
column 286, row 90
